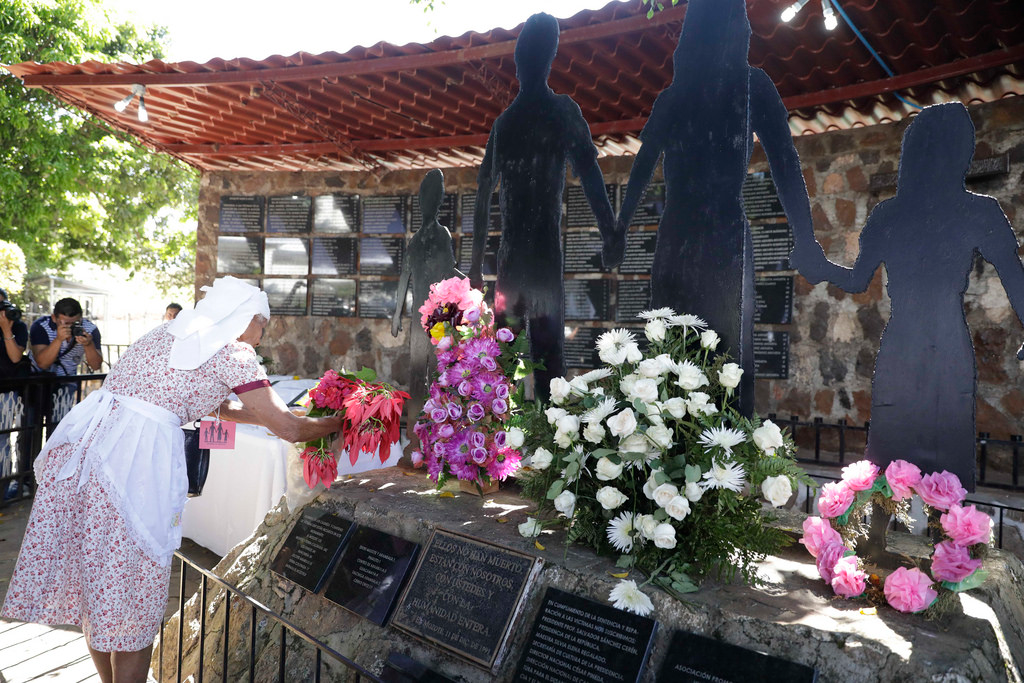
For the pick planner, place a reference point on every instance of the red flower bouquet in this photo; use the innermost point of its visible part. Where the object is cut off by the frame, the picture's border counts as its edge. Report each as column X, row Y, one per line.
column 372, row 412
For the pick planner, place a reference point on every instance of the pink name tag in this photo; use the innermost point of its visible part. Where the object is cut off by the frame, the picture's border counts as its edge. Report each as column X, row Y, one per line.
column 216, row 434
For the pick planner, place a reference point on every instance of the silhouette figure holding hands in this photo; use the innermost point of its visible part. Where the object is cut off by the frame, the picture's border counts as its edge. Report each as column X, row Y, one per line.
column 922, row 399
column 703, row 124
column 528, row 148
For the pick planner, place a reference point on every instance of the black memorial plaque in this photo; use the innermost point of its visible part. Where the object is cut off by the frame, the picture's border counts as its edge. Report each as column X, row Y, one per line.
column 446, row 216
column 240, row 255
column 773, row 300
column 292, row 213
column 574, row 639
column 312, row 548
column 287, row 296
column 580, row 349
column 588, row 299
column 639, row 259
column 376, row 298
column 490, row 262
column 582, row 252
column 760, row 199
column 772, row 244
column 468, row 206
column 335, row 255
column 286, row 256
column 697, row 659
column 336, row 213
column 771, row 354
column 634, row 297
column 401, row 668
column 381, row 255
column 370, row 573
column 578, row 213
column 241, row 214
column 384, row 213
column 464, row 595
column 650, row 208
column 334, row 297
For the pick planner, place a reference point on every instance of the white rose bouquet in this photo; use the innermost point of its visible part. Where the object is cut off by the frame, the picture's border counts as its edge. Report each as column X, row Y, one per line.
column 644, row 457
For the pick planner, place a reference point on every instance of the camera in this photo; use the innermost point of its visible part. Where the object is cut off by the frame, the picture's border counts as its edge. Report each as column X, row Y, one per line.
column 12, row 312
column 77, row 330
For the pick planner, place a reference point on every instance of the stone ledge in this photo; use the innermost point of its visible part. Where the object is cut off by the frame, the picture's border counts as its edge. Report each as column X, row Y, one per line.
column 793, row 616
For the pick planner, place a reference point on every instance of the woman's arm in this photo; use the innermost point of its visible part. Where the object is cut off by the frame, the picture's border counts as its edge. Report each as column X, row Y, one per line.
column 263, row 406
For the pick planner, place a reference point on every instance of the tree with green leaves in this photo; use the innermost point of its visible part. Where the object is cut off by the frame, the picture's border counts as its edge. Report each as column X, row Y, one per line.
column 72, row 188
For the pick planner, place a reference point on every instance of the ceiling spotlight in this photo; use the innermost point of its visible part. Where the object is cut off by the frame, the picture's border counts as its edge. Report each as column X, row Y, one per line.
column 122, row 104
column 791, row 11
column 829, row 14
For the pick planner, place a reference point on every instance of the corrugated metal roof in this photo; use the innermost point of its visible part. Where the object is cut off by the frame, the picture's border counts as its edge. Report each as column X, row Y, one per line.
column 415, row 106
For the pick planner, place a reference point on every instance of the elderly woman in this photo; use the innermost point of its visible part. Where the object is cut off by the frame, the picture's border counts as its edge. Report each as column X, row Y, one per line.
column 112, row 481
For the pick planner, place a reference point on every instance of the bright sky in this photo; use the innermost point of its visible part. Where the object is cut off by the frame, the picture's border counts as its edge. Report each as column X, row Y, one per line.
column 200, row 30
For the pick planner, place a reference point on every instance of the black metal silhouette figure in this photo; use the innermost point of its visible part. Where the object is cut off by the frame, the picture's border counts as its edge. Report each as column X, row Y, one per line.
column 922, row 398
column 429, row 258
column 703, row 124
column 528, row 148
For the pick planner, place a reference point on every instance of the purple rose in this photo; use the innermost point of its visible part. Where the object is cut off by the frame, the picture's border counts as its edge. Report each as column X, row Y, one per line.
column 499, row 406
column 472, row 315
column 417, row 459
column 476, row 412
column 446, row 431
column 477, row 439
column 479, row 455
column 438, row 414
column 489, row 363
column 454, row 411
column 504, row 334
column 499, row 439
column 501, row 391
column 465, row 388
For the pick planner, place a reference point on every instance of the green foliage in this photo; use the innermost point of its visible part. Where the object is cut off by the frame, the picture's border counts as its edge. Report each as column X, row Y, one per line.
column 72, row 188
column 652, row 6
column 12, row 267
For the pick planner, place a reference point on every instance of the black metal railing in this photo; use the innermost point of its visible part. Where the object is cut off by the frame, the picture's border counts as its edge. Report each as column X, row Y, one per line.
column 256, row 608
column 838, row 443
column 30, row 408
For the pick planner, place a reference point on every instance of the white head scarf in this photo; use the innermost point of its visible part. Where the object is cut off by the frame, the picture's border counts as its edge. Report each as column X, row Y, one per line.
column 216, row 321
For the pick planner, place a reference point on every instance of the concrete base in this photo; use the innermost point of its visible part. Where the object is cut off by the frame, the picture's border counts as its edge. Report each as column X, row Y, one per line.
column 794, row 616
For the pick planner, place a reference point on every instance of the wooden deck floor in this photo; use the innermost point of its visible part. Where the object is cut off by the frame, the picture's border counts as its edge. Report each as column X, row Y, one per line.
column 37, row 653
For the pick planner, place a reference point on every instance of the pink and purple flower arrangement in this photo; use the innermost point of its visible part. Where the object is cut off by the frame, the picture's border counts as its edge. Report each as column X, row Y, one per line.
column 464, row 428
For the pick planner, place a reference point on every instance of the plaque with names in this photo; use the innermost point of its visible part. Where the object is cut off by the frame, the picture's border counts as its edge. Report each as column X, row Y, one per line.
column 588, row 299
column 578, row 213
column 401, row 668
column 760, row 199
column 335, row 255
column 465, row 595
column 771, row 354
column 286, row 256
column 381, row 255
column 371, row 571
column 773, row 300
column 639, row 259
column 468, row 205
column 446, row 216
column 384, row 214
column 312, row 548
column 286, row 296
column 576, row 639
column 490, row 262
column 582, row 253
column 693, row 658
column 241, row 255
column 377, row 299
column 634, row 297
column 241, row 214
column 772, row 244
column 580, row 349
column 334, row 297
column 650, row 208
column 289, row 214
column 336, row 213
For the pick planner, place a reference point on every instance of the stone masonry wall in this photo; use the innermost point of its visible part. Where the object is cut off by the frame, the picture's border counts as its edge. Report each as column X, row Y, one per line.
column 834, row 336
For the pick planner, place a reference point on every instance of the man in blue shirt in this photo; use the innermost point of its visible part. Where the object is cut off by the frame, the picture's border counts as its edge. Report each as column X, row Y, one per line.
column 56, row 350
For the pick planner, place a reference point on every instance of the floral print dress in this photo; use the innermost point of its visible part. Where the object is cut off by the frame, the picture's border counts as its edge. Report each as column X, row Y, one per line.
column 80, row 562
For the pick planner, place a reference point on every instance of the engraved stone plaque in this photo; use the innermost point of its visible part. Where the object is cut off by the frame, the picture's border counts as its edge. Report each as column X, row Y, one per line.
column 771, row 354
column 381, row 255
column 384, row 214
column 335, row 255
column 578, row 213
column 588, row 299
column 292, row 213
column 334, row 297
column 696, row 659
column 312, row 548
column 241, row 214
column 334, row 213
column 772, row 244
column 286, row 296
column 371, row 571
column 241, row 255
column 286, row 256
column 773, row 300
column 582, row 252
column 634, row 297
column 468, row 206
column 760, row 199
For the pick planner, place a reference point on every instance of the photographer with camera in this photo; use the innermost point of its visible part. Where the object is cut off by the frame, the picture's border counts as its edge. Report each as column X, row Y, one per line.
column 60, row 342
column 13, row 364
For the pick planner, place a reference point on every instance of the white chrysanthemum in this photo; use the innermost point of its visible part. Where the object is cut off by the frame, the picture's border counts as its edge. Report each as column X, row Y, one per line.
column 728, row 476
column 689, row 376
column 620, row 532
column 655, row 313
column 596, row 375
column 629, row 598
column 687, row 322
column 613, row 346
column 602, row 410
column 722, row 437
